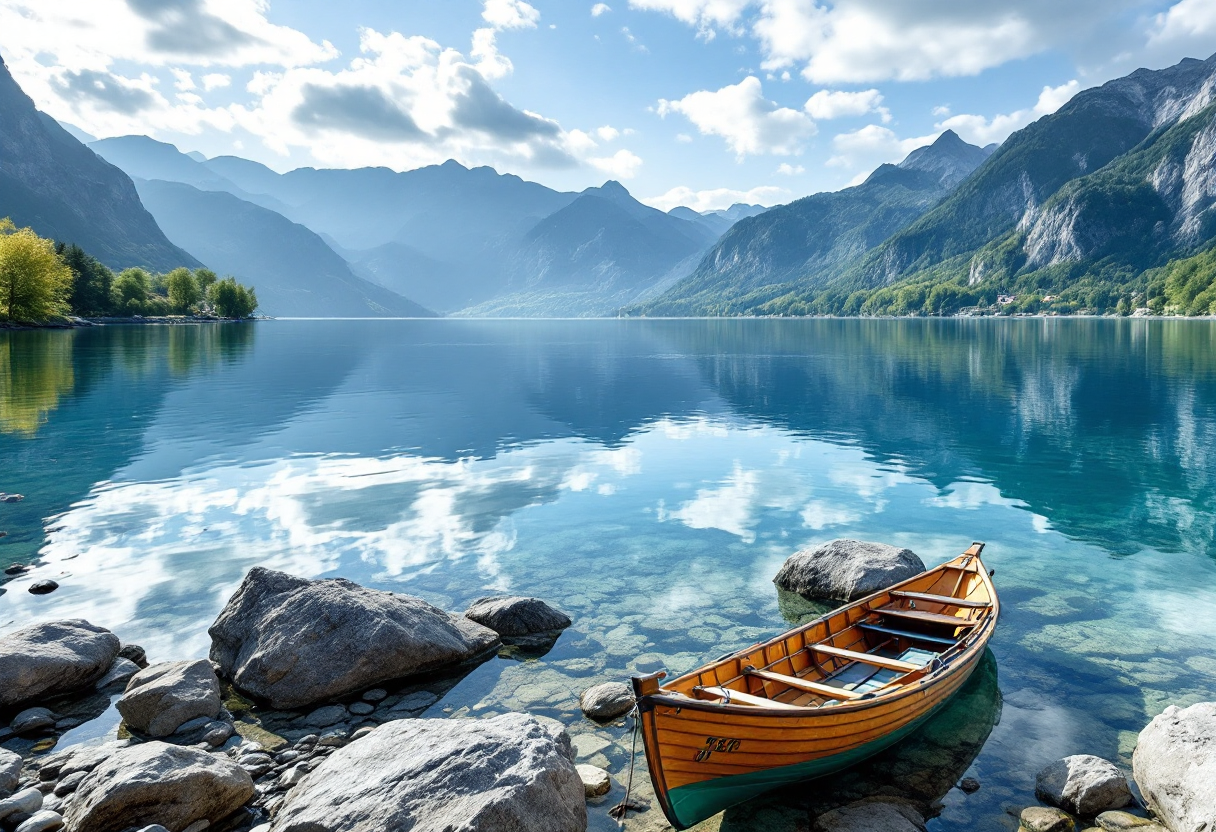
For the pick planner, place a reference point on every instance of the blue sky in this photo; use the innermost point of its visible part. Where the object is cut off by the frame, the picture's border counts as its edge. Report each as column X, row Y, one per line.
column 695, row 102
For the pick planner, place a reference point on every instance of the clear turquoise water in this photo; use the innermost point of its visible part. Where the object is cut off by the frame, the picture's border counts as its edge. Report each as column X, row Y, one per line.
column 649, row 477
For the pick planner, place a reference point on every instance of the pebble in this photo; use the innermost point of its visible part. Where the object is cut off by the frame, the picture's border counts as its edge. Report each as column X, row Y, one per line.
column 26, row 801
column 308, row 739
column 287, row 756
column 43, row 821
column 32, row 719
column 193, row 725
column 361, row 708
column 256, row 764
column 326, row 715
column 969, row 785
column 1044, row 819
column 596, row 781
column 68, row 784
column 11, row 498
column 375, row 695
column 67, row 723
column 292, row 776
column 16, row 569
column 44, row 587
column 416, row 701
column 332, row 739
column 362, row 732
column 217, row 733
column 1116, row 821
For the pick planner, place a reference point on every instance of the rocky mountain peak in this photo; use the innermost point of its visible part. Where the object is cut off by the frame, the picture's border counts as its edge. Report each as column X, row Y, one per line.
column 949, row 157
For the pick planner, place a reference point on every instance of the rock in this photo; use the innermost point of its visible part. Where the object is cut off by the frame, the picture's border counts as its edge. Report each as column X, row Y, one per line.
column 11, row 498
column 362, row 732
column 416, row 701
column 1045, row 819
column 43, row 821
column 67, row 785
column 513, row 771
column 134, row 653
column 155, row 782
column 43, row 587
column 328, row 715
column 53, row 658
column 16, row 569
column 156, row 827
column 31, row 720
column 969, row 785
column 296, row 642
column 513, row 615
column 606, row 701
column 120, row 673
column 845, row 570
column 10, row 771
column 1175, row 767
column 375, row 695
column 596, row 781
column 191, row 726
column 332, row 739
column 217, row 733
column 80, row 758
column 889, row 814
column 1083, row 785
column 1116, row 821
column 25, row 802
column 361, row 708
column 162, row 697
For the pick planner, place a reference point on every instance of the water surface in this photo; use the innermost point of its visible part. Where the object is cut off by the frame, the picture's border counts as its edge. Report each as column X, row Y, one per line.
column 648, row 477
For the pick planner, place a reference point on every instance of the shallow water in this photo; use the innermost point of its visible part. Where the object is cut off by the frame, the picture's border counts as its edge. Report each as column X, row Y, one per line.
column 649, row 477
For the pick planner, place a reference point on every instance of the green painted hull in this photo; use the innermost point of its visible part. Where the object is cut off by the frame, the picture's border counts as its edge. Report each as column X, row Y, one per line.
column 695, row 802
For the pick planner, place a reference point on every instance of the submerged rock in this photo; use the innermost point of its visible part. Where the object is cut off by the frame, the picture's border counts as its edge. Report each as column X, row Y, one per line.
column 845, row 570
column 607, row 701
column 1116, row 821
column 155, row 782
column 163, row 697
column 438, row 775
column 890, row 814
column 53, row 658
column 297, row 642
column 1046, row 819
column 43, row 587
column 596, row 781
column 1175, row 767
column 513, row 615
column 1083, row 784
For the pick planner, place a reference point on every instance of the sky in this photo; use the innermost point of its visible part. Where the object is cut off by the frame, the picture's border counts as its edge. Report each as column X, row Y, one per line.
column 701, row 103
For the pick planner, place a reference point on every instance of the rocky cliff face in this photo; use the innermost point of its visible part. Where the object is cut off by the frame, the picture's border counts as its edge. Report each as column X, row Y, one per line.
column 52, row 183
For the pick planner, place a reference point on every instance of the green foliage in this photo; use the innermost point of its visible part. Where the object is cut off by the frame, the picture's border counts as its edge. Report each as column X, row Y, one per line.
column 34, row 282
column 205, row 278
column 231, row 299
column 183, row 291
column 91, row 281
column 1186, row 286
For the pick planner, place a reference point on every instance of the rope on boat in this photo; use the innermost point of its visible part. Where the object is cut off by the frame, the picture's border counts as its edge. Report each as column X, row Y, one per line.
column 619, row 811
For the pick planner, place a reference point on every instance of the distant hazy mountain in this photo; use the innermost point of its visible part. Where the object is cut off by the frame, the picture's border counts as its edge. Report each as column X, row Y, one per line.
column 292, row 269
column 809, row 242
column 52, row 183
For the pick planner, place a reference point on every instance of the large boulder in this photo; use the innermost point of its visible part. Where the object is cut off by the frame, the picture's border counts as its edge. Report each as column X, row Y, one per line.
column 513, row 771
column 297, row 642
column 1175, row 767
column 889, row 814
column 845, row 570
column 160, row 698
column 1083, row 784
column 514, row 615
column 53, row 658
column 155, row 782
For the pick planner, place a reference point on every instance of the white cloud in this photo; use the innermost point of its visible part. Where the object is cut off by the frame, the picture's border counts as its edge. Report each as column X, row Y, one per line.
column 599, row 9
column 830, row 104
column 980, row 130
column 216, row 80
column 510, row 14
column 607, row 133
column 1185, row 21
column 786, row 169
column 716, row 199
column 489, row 61
column 183, row 80
column 871, row 146
column 620, row 165
column 740, row 114
column 703, row 14
column 683, row 138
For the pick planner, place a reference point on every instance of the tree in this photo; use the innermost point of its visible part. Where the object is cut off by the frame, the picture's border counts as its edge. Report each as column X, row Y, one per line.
column 91, row 281
column 204, row 277
column 34, row 282
column 184, row 294
column 232, row 300
column 131, row 291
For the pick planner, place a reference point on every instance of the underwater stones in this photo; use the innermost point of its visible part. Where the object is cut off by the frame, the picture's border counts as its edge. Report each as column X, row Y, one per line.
column 596, row 781
column 325, row 716
column 297, row 642
column 361, row 708
column 1116, row 821
column 890, row 814
column 416, row 701
column 606, row 701
column 1045, row 819
column 588, row 744
column 513, row 771
column 1083, row 784
column 375, row 695
column 513, row 615
column 53, row 658
column 44, row 587
column 155, row 782
column 163, row 697
column 845, row 570
column 1175, row 767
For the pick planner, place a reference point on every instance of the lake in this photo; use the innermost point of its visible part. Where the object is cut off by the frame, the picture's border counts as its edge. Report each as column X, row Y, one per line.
column 649, row 478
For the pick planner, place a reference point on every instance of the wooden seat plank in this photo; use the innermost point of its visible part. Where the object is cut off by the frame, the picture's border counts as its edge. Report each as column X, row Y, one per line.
column 907, row 634
column 802, row 684
column 927, row 617
column 940, row 599
column 865, row 658
column 744, row 698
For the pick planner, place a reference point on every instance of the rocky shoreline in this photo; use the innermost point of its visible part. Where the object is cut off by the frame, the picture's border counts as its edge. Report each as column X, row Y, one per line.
column 309, row 716
column 73, row 322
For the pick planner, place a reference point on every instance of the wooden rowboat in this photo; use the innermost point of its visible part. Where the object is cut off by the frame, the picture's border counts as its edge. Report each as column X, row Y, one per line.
column 818, row 698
